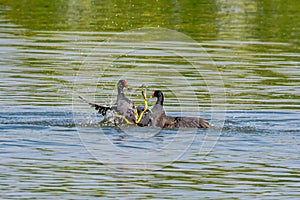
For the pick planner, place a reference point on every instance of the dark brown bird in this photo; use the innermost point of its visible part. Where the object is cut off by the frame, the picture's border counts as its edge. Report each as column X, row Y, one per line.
column 160, row 119
column 123, row 107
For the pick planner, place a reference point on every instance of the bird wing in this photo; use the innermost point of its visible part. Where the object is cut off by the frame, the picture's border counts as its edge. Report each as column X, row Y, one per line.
column 192, row 122
column 102, row 109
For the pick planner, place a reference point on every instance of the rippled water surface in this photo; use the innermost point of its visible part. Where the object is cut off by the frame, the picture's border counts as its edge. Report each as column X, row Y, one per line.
column 234, row 63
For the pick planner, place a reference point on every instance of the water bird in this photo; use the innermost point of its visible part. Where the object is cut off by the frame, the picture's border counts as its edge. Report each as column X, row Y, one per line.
column 124, row 109
column 160, row 118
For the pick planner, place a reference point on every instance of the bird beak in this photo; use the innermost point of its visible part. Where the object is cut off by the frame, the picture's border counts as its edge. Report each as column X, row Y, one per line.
column 125, row 84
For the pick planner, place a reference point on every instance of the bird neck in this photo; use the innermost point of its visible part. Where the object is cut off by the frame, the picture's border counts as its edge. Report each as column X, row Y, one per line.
column 120, row 91
column 160, row 100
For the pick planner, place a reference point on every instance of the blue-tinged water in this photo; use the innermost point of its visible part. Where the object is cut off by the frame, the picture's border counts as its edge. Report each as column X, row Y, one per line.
column 240, row 72
column 257, row 153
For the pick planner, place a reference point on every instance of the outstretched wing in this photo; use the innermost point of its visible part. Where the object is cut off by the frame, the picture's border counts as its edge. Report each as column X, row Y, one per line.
column 102, row 109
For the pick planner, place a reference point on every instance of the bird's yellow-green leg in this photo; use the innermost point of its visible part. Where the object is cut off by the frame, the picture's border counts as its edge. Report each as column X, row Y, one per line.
column 136, row 112
column 145, row 98
column 146, row 106
column 124, row 118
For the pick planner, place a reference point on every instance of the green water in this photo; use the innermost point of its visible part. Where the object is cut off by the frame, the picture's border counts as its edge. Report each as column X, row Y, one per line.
column 235, row 63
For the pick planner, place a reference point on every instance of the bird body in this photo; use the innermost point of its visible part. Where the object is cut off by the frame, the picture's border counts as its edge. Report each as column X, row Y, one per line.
column 124, row 106
column 160, row 119
column 123, row 109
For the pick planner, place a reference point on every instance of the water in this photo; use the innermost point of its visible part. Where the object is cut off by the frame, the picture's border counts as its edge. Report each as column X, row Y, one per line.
column 239, row 68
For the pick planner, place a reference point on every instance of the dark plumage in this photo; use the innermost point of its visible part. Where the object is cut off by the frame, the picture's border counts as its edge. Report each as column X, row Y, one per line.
column 123, row 106
column 160, row 119
column 146, row 118
column 102, row 109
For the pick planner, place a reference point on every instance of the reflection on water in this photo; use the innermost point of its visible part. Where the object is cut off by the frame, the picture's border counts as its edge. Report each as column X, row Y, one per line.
column 46, row 60
column 40, row 71
column 235, row 15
